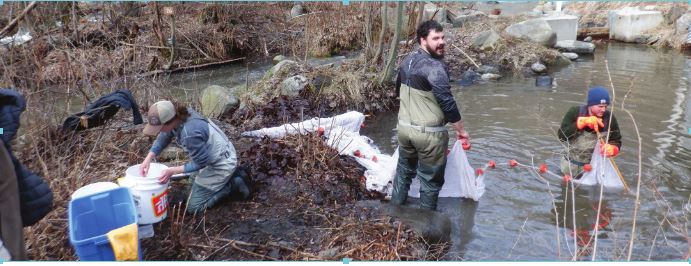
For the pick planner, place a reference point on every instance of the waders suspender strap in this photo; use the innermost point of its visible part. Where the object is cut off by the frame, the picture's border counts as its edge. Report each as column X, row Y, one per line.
column 420, row 128
column 407, row 83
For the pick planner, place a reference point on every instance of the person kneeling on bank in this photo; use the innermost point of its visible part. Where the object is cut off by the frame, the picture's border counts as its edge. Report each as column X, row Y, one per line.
column 213, row 157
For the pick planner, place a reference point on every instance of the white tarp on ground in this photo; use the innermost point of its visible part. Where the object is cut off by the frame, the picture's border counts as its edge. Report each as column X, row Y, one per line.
column 342, row 134
column 380, row 167
column 459, row 176
column 350, row 121
column 603, row 172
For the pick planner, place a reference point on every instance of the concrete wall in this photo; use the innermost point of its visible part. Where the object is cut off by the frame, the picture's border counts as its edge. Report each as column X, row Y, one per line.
column 628, row 24
column 565, row 26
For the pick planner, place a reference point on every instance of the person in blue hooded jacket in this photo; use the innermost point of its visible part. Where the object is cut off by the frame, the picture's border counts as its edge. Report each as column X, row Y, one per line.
column 212, row 155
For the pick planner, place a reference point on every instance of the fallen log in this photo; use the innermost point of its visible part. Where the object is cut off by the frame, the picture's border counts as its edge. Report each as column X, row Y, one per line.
column 594, row 32
column 170, row 71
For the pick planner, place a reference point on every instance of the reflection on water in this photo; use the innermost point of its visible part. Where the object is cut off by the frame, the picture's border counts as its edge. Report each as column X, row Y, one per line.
column 513, row 119
column 587, row 222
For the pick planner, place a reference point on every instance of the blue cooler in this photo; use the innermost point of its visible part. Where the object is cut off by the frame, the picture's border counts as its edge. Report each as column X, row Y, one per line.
column 92, row 217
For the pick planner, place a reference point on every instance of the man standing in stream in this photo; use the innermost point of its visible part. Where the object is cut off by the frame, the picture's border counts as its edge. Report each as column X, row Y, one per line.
column 426, row 106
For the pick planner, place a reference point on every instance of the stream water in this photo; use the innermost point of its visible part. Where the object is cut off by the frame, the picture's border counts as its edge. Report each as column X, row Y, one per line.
column 514, row 119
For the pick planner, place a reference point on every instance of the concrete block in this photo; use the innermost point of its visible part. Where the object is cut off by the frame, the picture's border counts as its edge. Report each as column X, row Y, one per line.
column 565, row 26
column 629, row 24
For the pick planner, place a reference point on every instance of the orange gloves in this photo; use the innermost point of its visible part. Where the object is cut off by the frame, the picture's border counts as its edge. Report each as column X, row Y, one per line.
column 609, row 150
column 592, row 122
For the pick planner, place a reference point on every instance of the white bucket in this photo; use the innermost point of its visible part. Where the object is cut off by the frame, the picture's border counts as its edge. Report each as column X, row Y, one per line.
column 150, row 197
column 94, row 188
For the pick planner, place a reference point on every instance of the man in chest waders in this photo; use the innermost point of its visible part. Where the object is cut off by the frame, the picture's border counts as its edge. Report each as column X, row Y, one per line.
column 580, row 128
column 426, row 106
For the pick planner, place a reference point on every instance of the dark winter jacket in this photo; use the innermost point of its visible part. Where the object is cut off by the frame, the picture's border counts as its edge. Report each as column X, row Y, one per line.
column 421, row 71
column 36, row 198
column 100, row 111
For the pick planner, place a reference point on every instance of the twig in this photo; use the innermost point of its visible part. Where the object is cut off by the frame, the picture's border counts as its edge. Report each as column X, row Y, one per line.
column 195, row 45
column 156, row 72
column 216, row 251
column 466, row 55
column 520, row 232
column 232, row 244
column 640, row 159
column 150, row 46
column 18, row 18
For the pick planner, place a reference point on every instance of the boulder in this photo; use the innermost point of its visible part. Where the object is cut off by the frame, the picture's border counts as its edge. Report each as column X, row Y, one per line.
column 277, row 59
column 217, row 100
column 439, row 13
column 544, row 81
column 485, row 41
column 570, row 56
column 490, row 76
column 292, row 86
column 534, row 30
column 560, row 60
column 487, row 69
column 469, row 77
column 296, row 11
column 682, row 24
column 538, row 68
column 575, row 47
column 285, row 67
column 460, row 18
column 674, row 14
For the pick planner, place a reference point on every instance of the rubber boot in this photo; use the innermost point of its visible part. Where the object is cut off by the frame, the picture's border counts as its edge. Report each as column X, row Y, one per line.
column 431, row 181
column 401, row 184
column 241, row 184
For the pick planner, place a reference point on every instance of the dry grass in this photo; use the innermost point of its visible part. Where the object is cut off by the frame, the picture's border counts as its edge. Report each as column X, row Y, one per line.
column 510, row 54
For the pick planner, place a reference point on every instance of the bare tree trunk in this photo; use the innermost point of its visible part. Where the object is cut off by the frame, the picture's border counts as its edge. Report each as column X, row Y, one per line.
column 382, row 32
column 368, row 30
column 415, row 24
column 157, row 26
column 75, row 23
column 173, row 53
column 393, row 50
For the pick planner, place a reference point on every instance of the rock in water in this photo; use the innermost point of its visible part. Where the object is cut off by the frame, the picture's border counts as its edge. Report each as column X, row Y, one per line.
column 571, row 56
column 217, row 100
column 534, row 30
column 544, row 81
column 538, row 68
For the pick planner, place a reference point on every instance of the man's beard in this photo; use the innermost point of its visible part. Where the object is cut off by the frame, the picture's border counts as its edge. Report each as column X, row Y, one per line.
column 434, row 53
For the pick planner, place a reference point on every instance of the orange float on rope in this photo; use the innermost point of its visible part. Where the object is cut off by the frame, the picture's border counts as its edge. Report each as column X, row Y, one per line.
column 543, row 168
column 374, row 158
column 513, row 163
column 587, row 167
column 567, row 178
column 357, row 153
column 479, row 172
column 466, row 146
column 320, row 131
column 491, row 163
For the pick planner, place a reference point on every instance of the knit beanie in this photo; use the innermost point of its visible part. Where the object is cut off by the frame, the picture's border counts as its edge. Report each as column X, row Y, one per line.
column 598, row 95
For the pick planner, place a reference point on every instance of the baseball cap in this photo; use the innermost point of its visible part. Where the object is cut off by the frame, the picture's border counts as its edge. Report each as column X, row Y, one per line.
column 160, row 113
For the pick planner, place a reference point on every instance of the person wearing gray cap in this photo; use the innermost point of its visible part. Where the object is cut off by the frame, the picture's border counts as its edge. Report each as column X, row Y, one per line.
column 212, row 155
